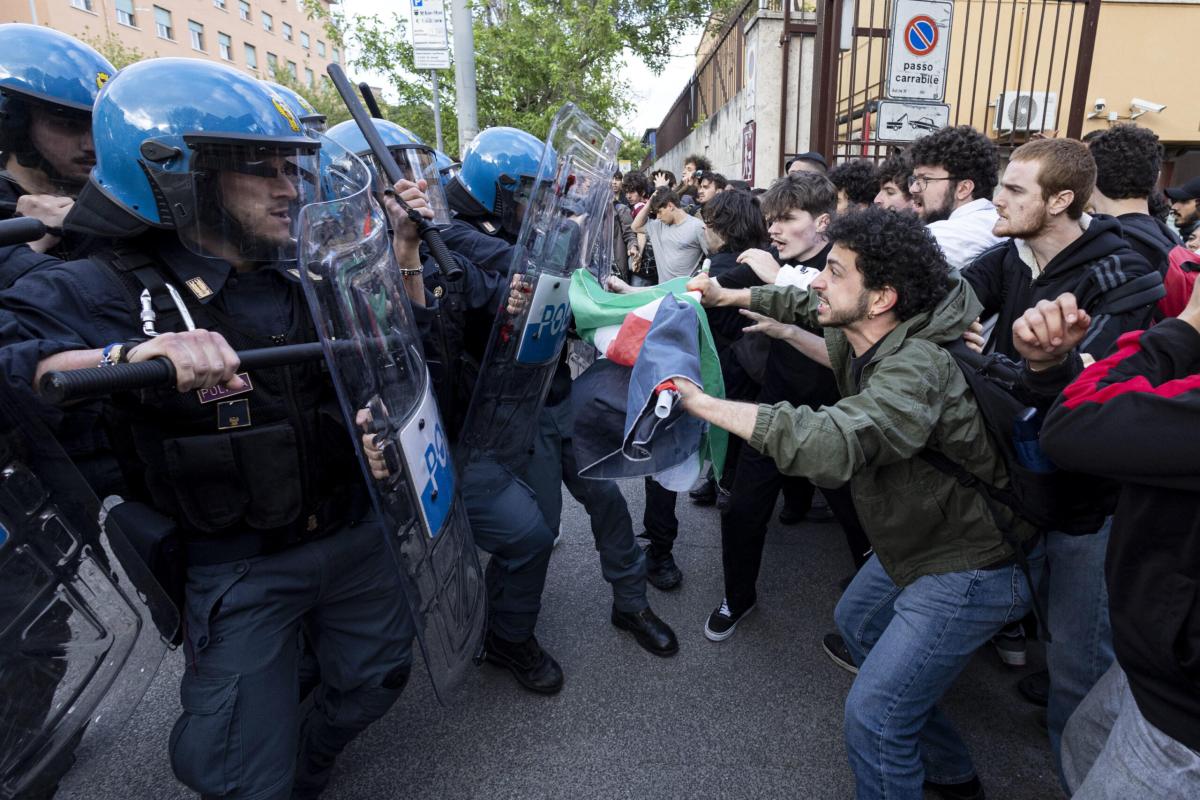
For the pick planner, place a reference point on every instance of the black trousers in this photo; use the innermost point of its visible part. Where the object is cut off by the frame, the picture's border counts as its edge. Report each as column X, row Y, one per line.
column 659, row 518
column 744, row 526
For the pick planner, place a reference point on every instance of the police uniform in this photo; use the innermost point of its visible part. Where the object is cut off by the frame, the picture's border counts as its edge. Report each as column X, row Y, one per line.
column 265, row 491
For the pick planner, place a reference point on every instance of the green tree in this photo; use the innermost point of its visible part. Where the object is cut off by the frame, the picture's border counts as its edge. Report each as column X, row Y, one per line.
column 531, row 56
column 120, row 54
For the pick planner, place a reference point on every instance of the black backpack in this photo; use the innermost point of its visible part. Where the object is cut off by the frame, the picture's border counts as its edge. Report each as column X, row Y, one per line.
column 1036, row 497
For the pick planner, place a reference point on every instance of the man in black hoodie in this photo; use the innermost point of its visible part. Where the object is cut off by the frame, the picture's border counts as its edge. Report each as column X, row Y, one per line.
column 1135, row 418
column 1128, row 160
column 1056, row 248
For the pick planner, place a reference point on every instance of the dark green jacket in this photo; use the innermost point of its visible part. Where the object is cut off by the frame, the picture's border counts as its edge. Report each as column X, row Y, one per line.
column 919, row 520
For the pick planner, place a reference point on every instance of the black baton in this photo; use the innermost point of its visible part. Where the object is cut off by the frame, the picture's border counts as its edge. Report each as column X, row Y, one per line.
column 429, row 233
column 368, row 97
column 65, row 386
column 19, row 230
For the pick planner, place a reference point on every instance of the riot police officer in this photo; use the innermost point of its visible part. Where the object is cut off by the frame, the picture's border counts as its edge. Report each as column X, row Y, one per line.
column 504, row 514
column 489, row 195
column 256, row 469
column 48, row 83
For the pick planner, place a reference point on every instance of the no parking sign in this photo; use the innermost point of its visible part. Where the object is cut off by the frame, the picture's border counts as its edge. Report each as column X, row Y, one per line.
column 920, row 49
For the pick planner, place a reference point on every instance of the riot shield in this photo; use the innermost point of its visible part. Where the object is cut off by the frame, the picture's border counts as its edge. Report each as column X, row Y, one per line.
column 354, row 293
column 83, row 625
column 562, row 224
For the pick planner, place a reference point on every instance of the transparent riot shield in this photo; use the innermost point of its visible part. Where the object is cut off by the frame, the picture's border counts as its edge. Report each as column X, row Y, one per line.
column 83, row 625
column 562, row 223
column 354, row 292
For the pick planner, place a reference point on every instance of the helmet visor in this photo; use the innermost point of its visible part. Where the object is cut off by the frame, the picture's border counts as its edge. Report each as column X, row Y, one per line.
column 241, row 200
column 416, row 164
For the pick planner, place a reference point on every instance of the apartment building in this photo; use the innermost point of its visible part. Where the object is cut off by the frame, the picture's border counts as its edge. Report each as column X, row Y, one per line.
column 255, row 35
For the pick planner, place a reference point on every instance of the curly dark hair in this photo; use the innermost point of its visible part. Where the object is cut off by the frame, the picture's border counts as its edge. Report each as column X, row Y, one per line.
column 661, row 197
column 895, row 169
column 700, row 163
column 857, row 179
column 897, row 250
column 963, row 152
column 738, row 219
column 637, row 182
column 1128, row 158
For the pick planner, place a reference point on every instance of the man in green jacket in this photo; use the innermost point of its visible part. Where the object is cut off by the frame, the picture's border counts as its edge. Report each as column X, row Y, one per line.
column 942, row 581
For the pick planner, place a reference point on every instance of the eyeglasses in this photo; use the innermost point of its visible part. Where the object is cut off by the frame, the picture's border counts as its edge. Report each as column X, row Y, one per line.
column 918, row 183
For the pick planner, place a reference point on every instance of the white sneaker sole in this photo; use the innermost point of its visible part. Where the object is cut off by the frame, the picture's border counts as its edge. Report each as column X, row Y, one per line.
column 1011, row 658
column 853, row 670
column 715, row 636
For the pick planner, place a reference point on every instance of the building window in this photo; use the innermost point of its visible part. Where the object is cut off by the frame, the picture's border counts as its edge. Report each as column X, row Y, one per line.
column 308, row 77
column 304, row 40
column 162, row 23
column 292, row 69
column 337, row 56
column 272, row 62
column 82, row 5
column 320, row 48
column 268, row 22
column 287, row 31
column 244, row 10
column 125, row 13
column 225, row 46
column 219, row 4
column 197, row 31
column 251, row 57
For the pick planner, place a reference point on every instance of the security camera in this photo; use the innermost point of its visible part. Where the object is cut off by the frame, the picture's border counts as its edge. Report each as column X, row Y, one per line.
column 1099, row 105
column 1141, row 106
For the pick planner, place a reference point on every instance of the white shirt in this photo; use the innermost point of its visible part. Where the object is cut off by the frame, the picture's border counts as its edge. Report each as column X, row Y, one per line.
column 801, row 276
column 967, row 233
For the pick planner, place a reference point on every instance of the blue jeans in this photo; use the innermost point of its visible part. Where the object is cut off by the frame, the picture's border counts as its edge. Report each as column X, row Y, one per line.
column 1077, row 604
column 911, row 643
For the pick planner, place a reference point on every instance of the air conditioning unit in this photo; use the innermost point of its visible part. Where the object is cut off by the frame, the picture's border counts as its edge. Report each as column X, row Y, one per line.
column 1026, row 112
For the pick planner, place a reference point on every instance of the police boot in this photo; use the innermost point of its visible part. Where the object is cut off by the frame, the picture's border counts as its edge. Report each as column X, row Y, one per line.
column 533, row 667
column 650, row 632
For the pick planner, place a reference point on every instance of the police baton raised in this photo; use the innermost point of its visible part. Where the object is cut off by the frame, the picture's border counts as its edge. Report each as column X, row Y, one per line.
column 66, row 386
column 429, row 232
column 19, row 230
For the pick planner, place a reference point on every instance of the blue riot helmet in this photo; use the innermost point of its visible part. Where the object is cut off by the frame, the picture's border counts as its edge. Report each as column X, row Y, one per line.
column 48, row 84
column 497, row 174
column 308, row 115
column 416, row 159
column 206, row 150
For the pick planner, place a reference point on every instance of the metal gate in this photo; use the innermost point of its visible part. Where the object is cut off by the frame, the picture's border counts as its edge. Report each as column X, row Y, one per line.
column 1017, row 69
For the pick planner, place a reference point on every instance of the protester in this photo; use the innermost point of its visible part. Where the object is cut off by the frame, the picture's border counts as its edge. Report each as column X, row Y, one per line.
column 677, row 237
column 953, row 176
column 618, row 196
column 689, row 182
column 892, row 177
column 942, row 580
column 857, row 184
column 1128, row 159
column 811, row 161
column 1057, row 248
column 1185, row 206
column 1137, row 732
column 709, row 185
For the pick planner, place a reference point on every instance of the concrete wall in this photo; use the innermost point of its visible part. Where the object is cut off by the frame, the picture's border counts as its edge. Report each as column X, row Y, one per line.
column 719, row 137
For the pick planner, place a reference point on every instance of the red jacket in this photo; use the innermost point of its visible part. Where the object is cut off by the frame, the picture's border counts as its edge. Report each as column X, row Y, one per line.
column 1135, row 417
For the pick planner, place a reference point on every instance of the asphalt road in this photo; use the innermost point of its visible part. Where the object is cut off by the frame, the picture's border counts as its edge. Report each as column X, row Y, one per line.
column 756, row 716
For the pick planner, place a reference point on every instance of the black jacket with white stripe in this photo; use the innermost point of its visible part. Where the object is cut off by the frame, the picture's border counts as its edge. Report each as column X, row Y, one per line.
column 1110, row 281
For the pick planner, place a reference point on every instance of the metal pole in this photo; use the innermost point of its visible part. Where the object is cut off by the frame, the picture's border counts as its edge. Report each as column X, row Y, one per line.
column 437, row 112
column 33, row 11
column 464, row 73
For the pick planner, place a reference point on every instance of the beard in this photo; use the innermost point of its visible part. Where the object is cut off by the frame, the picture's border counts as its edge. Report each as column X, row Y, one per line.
column 1026, row 229
column 938, row 213
column 843, row 317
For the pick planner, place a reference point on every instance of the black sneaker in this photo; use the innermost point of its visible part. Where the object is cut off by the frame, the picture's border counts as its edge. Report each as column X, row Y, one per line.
column 724, row 499
column 1035, row 688
column 835, row 648
column 968, row 790
column 704, row 493
column 722, row 622
column 661, row 570
column 533, row 667
column 1010, row 645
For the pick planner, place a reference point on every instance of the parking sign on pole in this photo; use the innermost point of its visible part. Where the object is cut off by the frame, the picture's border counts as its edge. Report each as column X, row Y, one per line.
column 919, row 50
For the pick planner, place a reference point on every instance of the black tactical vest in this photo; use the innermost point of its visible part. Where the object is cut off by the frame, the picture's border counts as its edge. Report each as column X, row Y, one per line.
column 274, row 462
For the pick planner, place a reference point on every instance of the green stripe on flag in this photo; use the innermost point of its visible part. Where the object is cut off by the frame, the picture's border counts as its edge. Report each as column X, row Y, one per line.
column 594, row 308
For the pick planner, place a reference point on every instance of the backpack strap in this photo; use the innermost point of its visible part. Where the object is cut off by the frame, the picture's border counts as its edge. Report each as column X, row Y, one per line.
column 994, row 497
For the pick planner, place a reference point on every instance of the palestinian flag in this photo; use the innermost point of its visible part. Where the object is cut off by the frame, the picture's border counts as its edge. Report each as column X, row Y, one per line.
column 617, row 325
